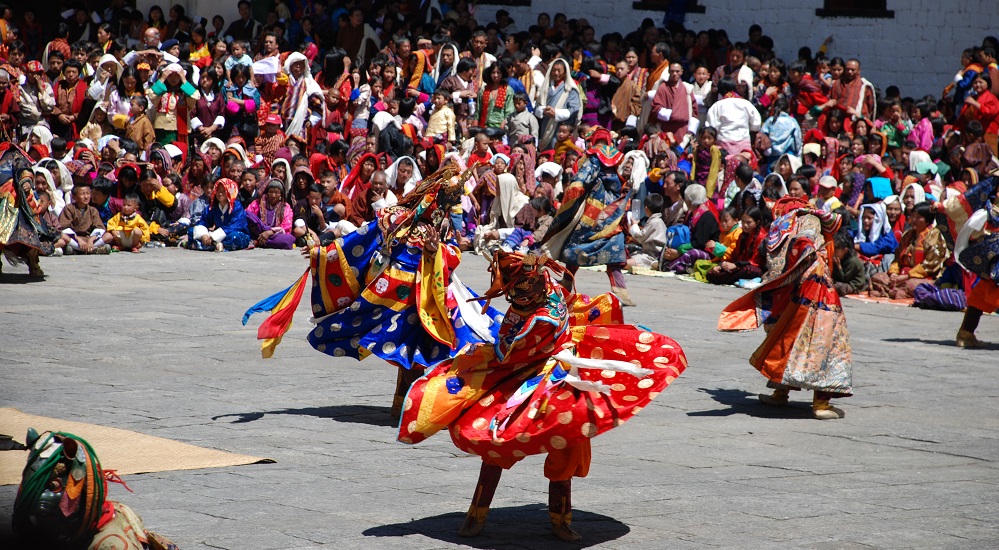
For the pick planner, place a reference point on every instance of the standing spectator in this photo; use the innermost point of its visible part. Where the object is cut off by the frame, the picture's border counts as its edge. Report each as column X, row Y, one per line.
column 244, row 28
column 854, row 93
column 734, row 118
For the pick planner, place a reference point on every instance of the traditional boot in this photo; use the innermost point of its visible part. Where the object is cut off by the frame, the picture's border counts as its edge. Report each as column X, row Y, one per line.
column 34, row 269
column 622, row 294
column 485, row 488
column 822, row 410
column 560, row 510
column 777, row 399
column 966, row 339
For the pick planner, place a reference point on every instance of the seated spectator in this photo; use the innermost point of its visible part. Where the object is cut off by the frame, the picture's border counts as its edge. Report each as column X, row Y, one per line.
column 920, row 256
column 651, row 234
column 269, row 217
column 310, row 217
column 127, row 228
column 83, row 231
column 223, row 227
column 365, row 206
column 704, row 228
column 747, row 260
column 875, row 241
column 849, row 274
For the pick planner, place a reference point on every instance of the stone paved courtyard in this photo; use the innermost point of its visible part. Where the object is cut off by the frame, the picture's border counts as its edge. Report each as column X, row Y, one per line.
column 153, row 343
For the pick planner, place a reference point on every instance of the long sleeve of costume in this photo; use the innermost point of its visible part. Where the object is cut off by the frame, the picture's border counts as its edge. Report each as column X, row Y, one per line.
column 166, row 200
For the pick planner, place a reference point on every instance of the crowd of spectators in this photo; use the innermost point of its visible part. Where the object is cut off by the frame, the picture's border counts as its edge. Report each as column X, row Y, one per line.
column 168, row 129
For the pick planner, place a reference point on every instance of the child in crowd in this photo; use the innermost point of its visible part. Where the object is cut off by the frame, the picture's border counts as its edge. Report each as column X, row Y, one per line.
column 101, row 199
column 249, row 181
column 239, row 56
column 849, row 275
column 442, row 121
column 83, row 231
column 747, row 260
column 127, row 228
column 707, row 157
column 731, row 230
column 140, row 128
column 521, row 122
column 652, row 236
column 223, row 227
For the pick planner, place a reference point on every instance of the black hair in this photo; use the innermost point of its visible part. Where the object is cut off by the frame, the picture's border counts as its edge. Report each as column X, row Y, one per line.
column 807, row 171
column 542, row 204
column 726, row 85
column 654, row 202
column 132, row 197
column 925, row 211
column 465, row 64
column 406, row 107
column 72, row 63
column 504, row 72
column 103, row 185
column 744, row 173
column 316, row 188
column 843, row 241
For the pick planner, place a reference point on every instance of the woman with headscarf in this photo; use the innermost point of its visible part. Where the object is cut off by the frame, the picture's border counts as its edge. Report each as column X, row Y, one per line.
column 161, row 161
column 403, row 176
column 419, row 83
column 301, row 87
column 269, row 217
column 58, row 199
column 560, row 102
column 197, row 173
column 62, row 176
column 105, row 82
column 98, row 125
column 635, row 168
column 910, row 196
column 875, row 241
column 807, row 344
column 447, row 63
column 223, row 227
column 920, row 257
column 359, row 179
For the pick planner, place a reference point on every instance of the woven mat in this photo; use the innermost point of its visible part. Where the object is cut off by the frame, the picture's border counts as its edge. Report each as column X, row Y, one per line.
column 124, row 451
column 865, row 298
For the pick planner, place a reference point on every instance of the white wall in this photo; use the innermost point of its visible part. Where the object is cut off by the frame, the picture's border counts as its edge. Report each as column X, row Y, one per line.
column 919, row 50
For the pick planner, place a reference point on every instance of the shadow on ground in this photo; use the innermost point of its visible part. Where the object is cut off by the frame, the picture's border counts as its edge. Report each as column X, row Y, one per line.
column 744, row 402
column 512, row 527
column 19, row 278
column 355, row 414
column 947, row 343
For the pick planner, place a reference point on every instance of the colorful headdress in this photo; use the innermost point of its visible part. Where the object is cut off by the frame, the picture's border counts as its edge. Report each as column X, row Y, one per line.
column 515, row 274
column 430, row 201
column 61, row 497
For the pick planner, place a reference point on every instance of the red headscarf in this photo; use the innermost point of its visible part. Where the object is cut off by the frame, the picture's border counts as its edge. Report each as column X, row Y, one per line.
column 353, row 184
column 229, row 187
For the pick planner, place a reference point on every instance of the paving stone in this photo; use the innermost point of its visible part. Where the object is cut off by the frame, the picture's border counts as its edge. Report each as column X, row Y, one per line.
column 154, row 344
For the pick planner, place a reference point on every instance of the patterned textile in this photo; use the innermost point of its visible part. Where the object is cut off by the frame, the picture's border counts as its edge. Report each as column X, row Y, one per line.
column 394, row 306
column 548, row 384
column 586, row 230
column 807, row 342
